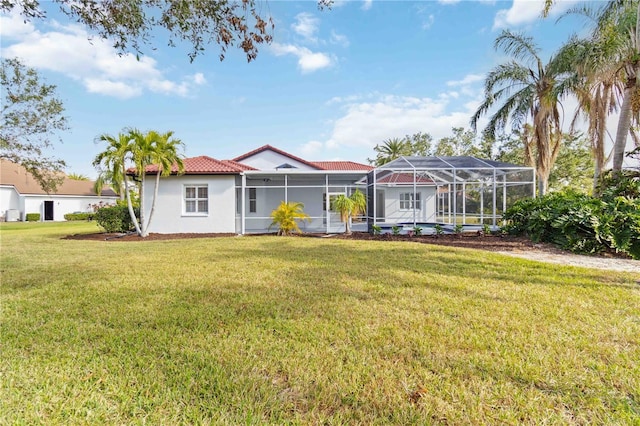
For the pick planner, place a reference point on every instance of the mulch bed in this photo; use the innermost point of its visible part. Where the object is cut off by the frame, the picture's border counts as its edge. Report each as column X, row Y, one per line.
column 467, row 240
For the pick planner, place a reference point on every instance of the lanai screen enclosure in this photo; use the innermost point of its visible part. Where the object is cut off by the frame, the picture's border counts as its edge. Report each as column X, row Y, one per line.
column 450, row 190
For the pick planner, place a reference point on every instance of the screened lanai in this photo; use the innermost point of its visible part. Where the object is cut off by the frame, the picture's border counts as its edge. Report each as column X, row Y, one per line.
column 447, row 190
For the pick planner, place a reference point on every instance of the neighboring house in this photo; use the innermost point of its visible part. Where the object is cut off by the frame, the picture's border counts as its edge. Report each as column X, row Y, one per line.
column 238, row 196
column 20, row 194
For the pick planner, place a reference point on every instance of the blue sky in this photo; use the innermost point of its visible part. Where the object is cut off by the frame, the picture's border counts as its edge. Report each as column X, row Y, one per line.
column 332, row 85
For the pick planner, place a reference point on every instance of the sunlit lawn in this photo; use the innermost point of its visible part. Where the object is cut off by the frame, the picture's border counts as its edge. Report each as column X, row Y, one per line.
column 269, row 330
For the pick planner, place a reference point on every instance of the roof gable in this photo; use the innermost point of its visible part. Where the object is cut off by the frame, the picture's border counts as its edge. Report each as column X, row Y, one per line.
column 260, row 159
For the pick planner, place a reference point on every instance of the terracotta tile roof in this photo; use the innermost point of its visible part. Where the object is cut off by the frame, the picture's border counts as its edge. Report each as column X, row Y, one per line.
column 204, row 165
column 341, row 165
column 403, row 179
column 274, row 149
column 15, row 175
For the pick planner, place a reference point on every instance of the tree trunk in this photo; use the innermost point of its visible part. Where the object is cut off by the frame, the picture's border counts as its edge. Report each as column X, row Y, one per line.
column 600, row 136
column 624, row 124
column 143, row 232
column 153, row 206
column 347, row 225
column 132, row 214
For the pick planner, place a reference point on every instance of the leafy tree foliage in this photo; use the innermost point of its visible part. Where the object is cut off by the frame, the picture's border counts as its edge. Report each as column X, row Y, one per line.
column 32, row 115
column 572, row 169
column 131, row 24
column 286, row 217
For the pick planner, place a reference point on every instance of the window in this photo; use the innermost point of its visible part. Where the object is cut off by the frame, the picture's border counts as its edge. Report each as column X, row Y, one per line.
column 196, row 199
column 253, row 201
column 407, row 201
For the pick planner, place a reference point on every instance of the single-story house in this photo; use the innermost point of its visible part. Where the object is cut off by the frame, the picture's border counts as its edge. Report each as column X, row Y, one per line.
column 238, row 195
column 20, row 194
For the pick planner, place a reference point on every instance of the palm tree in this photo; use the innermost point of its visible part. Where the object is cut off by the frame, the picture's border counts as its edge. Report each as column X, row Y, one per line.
column 114, row 160
column 286, row 217
column 165, row 155
column 618, row 29
column 77, row 176
column 390, row 150
column 348, row 207
column 528, row 90
column 107, row 177
column 598, row 92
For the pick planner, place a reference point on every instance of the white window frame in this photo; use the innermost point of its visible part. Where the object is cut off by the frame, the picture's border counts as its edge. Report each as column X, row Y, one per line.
column 407, row 201
column 197, row 199
column 253, row 200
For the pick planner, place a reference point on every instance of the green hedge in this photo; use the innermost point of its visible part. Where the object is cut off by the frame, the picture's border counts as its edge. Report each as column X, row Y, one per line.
column 33, row 217
column 79, row 216
column 582, row 223
column 115, row 218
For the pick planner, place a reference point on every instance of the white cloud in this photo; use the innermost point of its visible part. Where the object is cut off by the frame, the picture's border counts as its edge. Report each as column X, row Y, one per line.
column 311, row 148
column 468, row 79
column 93, row 62
column 367, row 122
column 428, row 22
column 339, row 39
column 308, row 61
column 526, row 11
column 366, row 4
column 306, row 25
column 448, row 1
column 116, row 89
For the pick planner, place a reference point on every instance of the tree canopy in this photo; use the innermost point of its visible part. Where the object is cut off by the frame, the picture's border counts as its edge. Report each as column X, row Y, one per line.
column 131, row 24
column 32, row 116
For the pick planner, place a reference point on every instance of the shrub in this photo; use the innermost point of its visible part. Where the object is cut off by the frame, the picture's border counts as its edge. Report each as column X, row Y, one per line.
column 79, row 216
column 285, row 217
column 115, row 218
column 377, row 230
column 439, row 229
column 33, row 217
column 579, row 222
column 417, row 231
column 458, row 229
column 395, row 230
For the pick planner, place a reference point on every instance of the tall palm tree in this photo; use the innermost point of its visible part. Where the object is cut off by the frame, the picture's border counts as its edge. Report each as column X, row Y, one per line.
column 615, row 50
column 618, row 28
column 115, row 159
column 528, row 91
column 598, row 91
column 165, row 156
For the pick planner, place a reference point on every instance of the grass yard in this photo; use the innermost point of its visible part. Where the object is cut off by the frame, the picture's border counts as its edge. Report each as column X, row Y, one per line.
column 269, row 330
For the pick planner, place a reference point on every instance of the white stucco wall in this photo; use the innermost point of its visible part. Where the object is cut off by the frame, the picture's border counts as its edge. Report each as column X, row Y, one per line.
column 9, row 200
column 394, row 214
column 170, row 217
column 269, row 160
column 62, row 204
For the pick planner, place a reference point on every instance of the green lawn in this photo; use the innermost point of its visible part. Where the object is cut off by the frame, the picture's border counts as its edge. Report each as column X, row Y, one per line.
column 272, row 330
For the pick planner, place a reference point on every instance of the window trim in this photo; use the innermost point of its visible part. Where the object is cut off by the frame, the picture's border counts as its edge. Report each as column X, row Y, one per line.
column 197, row 199
column 253, row 200
column 414, row 200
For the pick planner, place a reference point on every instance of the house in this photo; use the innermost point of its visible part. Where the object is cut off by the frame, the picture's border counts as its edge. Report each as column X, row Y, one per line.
column 238, row 195
column 20, row 194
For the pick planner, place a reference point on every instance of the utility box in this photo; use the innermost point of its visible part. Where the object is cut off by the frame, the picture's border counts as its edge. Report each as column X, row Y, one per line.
column 12, row 215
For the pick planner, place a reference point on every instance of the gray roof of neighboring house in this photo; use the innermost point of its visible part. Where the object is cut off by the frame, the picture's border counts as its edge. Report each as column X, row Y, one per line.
column 16, row 175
